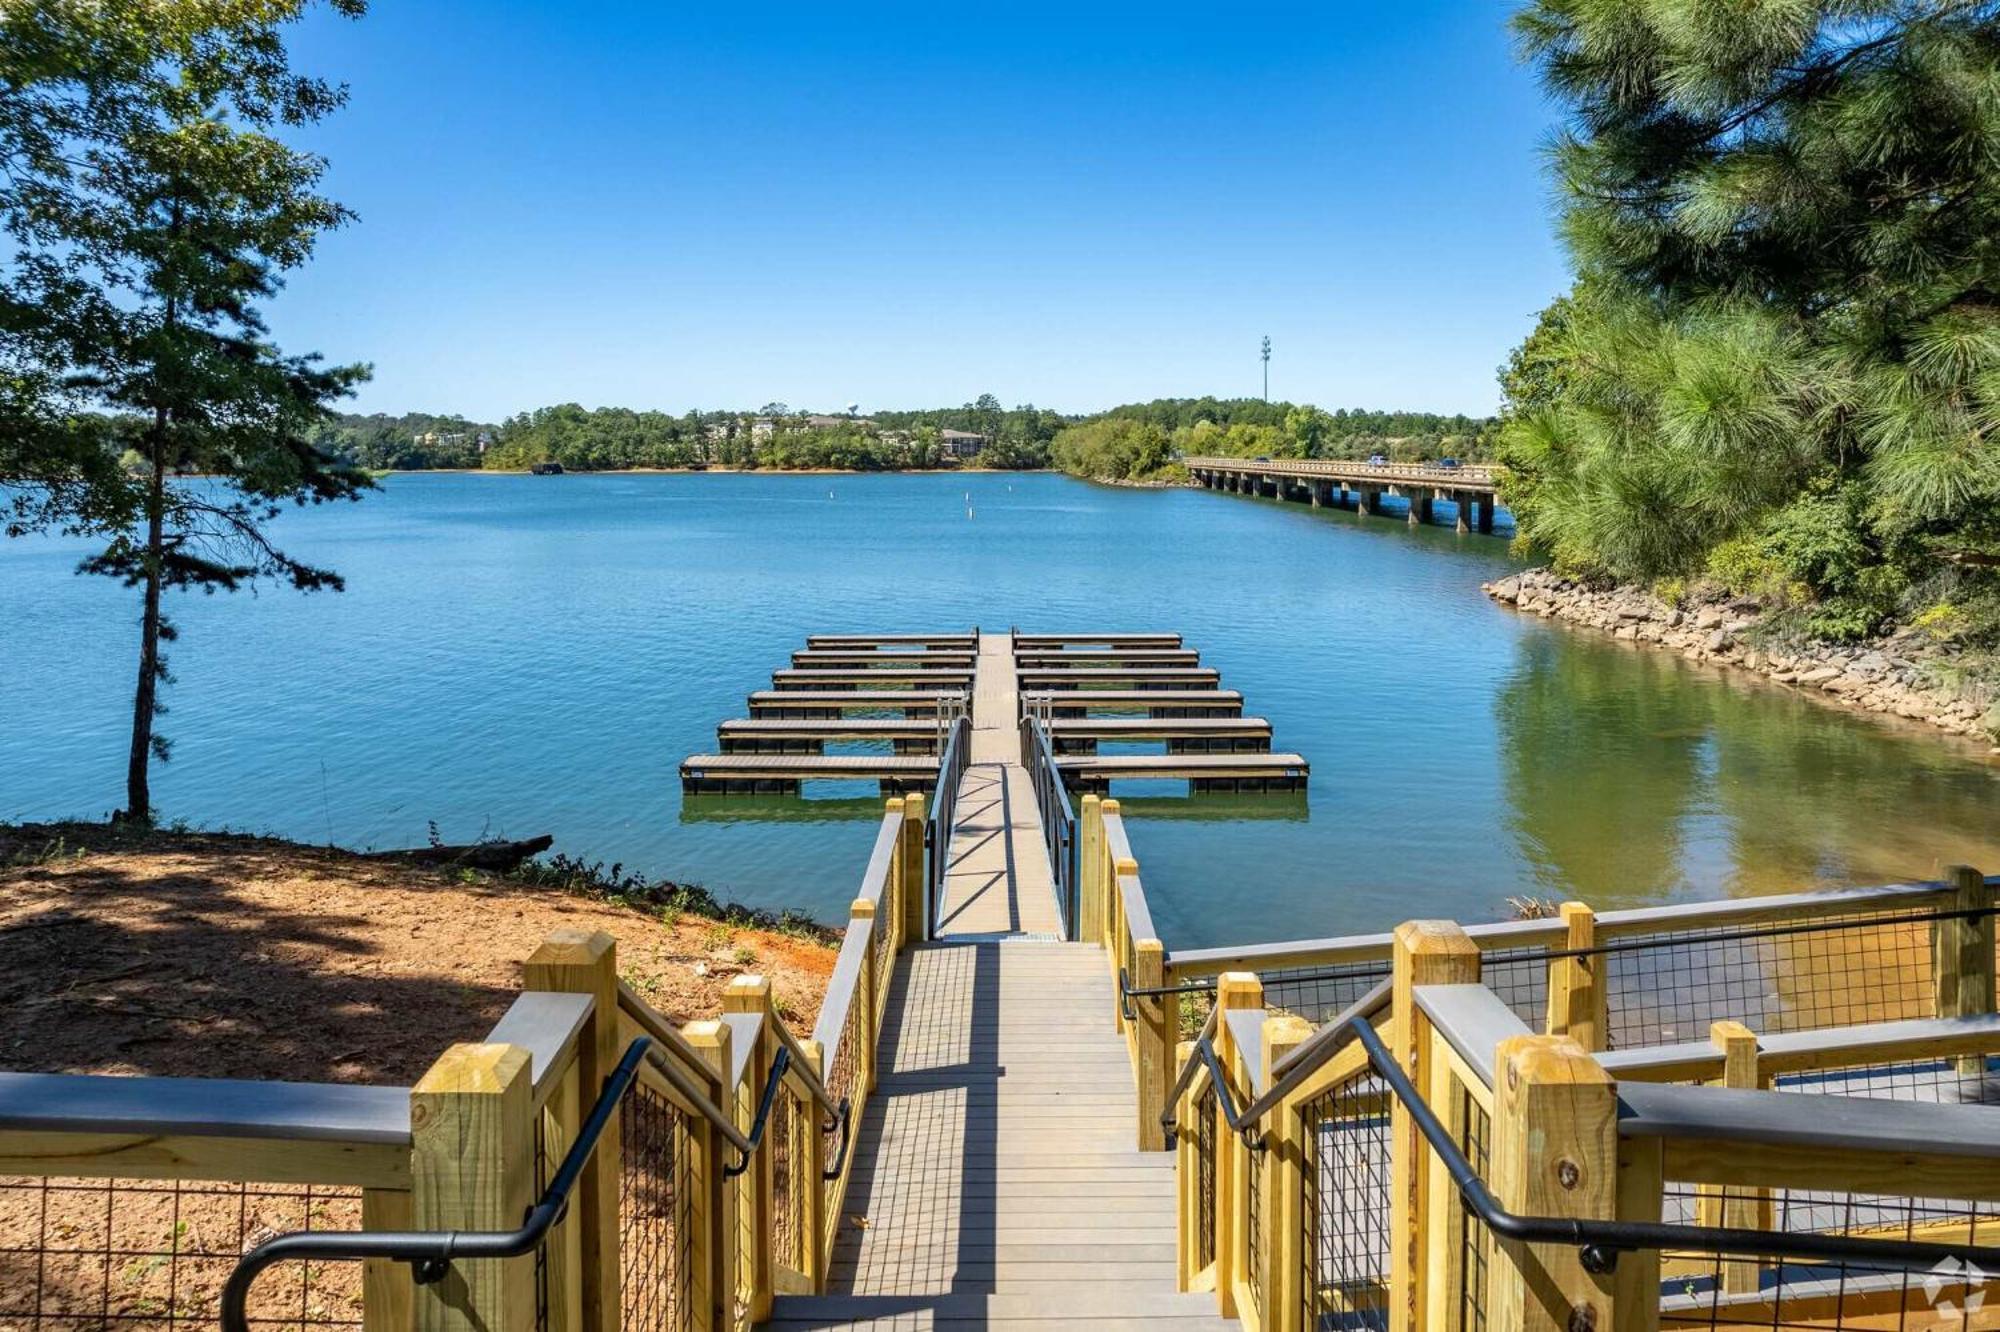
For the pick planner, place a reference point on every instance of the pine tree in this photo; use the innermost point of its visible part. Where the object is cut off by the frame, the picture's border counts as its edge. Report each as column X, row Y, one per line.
column 152, row 207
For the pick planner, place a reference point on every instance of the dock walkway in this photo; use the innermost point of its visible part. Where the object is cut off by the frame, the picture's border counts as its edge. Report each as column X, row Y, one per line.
column 1005, row 1097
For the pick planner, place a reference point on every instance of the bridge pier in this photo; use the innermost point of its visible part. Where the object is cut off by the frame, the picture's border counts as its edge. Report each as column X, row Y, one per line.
column 1486, row 513
column 1463, row 502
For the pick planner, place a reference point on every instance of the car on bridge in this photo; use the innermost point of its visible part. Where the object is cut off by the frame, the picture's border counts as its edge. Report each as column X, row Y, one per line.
column 1448, row 464
column 1378, row 460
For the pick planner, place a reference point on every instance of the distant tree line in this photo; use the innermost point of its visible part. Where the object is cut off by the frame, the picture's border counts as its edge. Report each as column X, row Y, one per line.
column 1141, row 440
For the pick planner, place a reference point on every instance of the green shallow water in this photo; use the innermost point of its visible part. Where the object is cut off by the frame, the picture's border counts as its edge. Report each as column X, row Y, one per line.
column 517, row 655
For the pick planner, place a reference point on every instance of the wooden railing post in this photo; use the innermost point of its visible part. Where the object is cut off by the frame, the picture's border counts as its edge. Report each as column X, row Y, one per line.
column 1554, row 1153
column 472, row 1167
column 1281, row 1245
column 1735, row 1205
column 755, row 1187
column 725, row 1255
column 1114, row 905
column 1424, row 952
column 895, row 910
column 1156, row 1014
column 586, row 962
column 1187, row 1178
column 1235, row 991
column 1577, row 999
column 387, row 1294
column 866, row 993
column 807, row 1186
column 916, row 873
column 1962, row 950
column 1090, row 872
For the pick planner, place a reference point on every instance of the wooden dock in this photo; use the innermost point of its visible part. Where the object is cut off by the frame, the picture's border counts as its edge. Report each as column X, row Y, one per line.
column 1153, row 702
column 782, row 774
column 767, row 735
column 968, row 642
column 1182, row 735
column 1023, row 641
column 1202, row 772
column 867, row 678
column 1154, row 677
column 817, row 703
column 854, row 659
column 1034, row 660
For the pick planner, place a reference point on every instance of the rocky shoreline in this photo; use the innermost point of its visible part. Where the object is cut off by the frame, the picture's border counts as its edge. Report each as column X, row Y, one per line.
column 1899, row 675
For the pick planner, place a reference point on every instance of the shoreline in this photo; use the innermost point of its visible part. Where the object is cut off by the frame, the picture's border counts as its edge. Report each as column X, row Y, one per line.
column 725, row 471
column 1896, row 676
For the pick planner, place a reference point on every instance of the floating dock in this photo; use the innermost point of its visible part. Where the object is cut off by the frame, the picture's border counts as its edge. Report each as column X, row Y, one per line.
column 898, row 694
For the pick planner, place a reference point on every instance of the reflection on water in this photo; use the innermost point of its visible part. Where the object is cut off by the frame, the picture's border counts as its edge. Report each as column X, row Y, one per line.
column 517, row 655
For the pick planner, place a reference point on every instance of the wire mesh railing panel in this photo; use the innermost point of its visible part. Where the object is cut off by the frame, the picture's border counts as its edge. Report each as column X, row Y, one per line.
column 655, row 1235
column 844, row 1080
column 1254, row 1235
column 1520, row 976
column 787, row 1228
column 1875, row 967
column 1475, row 1241
column 1320, row 994
column 79, row 1254
column 1204, row 1152
column 1345, row 1211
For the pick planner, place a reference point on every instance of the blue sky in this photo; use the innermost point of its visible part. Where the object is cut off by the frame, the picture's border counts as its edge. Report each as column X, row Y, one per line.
column 673, row 205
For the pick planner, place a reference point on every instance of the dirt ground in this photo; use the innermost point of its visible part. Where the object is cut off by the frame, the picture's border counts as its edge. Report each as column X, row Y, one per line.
column 214, row 955
column 224, row 956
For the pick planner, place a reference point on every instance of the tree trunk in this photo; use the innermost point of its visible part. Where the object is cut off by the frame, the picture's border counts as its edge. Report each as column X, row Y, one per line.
column 138, row 784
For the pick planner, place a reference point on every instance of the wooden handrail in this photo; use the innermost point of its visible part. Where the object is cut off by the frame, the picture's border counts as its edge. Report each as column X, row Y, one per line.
column 633, row 1005
column 1550, row 932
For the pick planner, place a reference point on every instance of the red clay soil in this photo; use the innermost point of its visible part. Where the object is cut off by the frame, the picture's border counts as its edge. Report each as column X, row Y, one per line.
column 223, row 956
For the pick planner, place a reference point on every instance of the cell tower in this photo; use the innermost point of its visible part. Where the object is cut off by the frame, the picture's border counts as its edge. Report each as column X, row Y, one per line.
column 1267, row 367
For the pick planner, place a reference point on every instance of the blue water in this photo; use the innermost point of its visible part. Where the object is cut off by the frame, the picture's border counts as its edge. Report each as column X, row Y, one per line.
column 517, row 655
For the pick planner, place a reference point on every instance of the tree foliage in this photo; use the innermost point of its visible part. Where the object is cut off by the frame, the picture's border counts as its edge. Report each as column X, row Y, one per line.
column 151, row 207
column 1784, row 342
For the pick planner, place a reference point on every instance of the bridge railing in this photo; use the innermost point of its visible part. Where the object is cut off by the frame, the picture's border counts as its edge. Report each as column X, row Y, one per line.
column 1427, row 1162
column 955, row 756
column 1349, row 470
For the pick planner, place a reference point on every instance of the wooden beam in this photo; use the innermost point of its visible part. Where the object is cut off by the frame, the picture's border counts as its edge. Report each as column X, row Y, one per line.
column 1963, row 949
column 1554, row 1153
column 1426, row 952
column 472, row 1167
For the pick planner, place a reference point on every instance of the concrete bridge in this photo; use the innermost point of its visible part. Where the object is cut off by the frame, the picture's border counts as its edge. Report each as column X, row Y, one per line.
column 1472, row 491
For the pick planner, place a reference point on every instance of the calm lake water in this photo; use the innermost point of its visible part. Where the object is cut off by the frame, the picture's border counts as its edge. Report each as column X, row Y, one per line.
column 517, row 655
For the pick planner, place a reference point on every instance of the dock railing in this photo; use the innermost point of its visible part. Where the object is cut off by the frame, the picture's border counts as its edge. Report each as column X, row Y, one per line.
column 1058, row 819
column 955, row 756
column 1430, row 1161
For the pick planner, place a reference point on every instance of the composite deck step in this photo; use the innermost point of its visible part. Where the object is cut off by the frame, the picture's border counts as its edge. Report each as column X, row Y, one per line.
column 840, row 657
column 1202, row 772
column 728, row 774
column 1082, row 735
column 815, row 678
column 822, row 703
column 1108, row 1306
column 1096, row 640
column 962, row 642
column 1154, row 702
column 1158, row 677
column 769, row 735
column 1032, row 660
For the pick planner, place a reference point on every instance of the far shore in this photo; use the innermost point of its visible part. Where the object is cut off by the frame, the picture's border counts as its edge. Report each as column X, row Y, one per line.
column 732, row 471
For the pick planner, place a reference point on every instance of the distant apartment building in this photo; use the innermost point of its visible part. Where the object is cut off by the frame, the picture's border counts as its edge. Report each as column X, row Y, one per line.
column 963, row 444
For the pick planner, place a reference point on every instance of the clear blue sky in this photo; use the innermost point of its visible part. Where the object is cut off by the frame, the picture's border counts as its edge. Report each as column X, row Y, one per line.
column 705, row 205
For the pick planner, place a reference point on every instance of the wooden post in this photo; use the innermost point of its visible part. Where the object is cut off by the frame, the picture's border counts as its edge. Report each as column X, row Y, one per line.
column 1187, row 1179
column 1577, row 1001
column 1090, row 873
column 1156, row 1036
column 1735, row 1205
column 722, row 1256
column 916, row 869
column 1235, row 991
column 1114, row 906
column 756, row 1186
column 894, row 912
column 866, row 993
column 1425, row 952
column 1641, row 1192
column 1962, row 951
column 807, row 1187
column 1554, row 1153
column 472, row 1167
column 387, row 1294
column 586, row 962
column 1280, row 1245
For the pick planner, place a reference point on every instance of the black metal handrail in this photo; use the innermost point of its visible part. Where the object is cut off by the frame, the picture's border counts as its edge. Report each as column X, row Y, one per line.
column 952, row 763
column 1058, row 818
column 1599, row 1242
column 431, row 1253
column 1204, row 1059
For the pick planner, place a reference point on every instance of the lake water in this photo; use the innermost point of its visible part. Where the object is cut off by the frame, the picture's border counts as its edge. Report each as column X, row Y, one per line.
column 518, row 655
